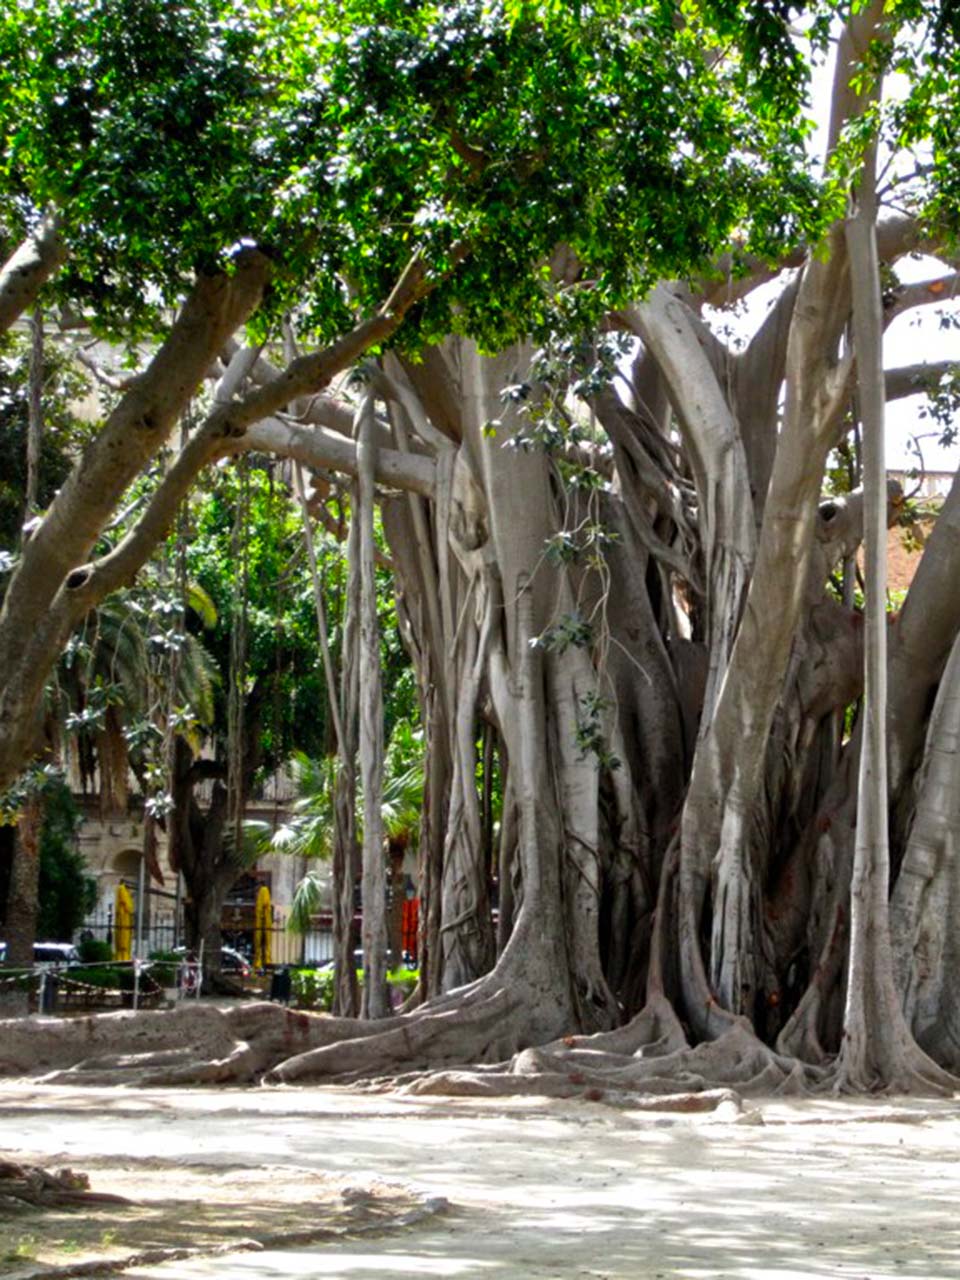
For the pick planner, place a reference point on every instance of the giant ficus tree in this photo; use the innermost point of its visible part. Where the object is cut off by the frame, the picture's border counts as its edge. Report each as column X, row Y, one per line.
column 606, row 525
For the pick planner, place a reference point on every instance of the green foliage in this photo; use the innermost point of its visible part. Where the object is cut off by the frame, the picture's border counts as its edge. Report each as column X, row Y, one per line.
column 94, row 951
column 314, row 988
column 309, row 833
column 164, row 967
column 130, row 673
column 61, row 431
column 590, row 735
column 137, row 122
column 112, row 977
column 282, row 663
column 344, row 138
column 66, row 893
column 570, row 630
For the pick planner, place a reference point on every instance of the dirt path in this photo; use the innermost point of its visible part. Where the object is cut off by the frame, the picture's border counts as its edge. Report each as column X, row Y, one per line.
column 849, row 1191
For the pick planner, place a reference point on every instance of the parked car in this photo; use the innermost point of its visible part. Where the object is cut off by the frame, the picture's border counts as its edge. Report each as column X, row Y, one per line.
column 49, row 955
column 231, row 961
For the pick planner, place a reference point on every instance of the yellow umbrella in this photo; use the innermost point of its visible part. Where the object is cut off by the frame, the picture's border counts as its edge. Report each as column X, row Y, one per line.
column 122, row 923
column 262, row 930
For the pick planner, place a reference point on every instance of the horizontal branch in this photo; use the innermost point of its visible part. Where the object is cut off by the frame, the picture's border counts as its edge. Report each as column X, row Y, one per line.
column 309, row 374
column 923, row 293
column 916, row 379
column 27, row 271
column 318, row 447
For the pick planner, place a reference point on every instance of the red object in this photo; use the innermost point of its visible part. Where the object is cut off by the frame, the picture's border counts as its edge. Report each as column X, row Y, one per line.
column 408, row 927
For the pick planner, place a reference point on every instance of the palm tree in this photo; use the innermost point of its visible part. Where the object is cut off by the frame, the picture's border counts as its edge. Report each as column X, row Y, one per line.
column 127, row 668
column 309, row 832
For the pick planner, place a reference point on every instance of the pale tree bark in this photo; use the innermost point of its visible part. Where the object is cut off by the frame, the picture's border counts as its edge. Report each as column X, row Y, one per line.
column 926, row 900
column 724, row 802
column 346, row 994
column 25, row 273
column 346, row 854
column 21, row 924
column 374, row 889
column 39, row 607
column 34, row 413
column 878, row 1051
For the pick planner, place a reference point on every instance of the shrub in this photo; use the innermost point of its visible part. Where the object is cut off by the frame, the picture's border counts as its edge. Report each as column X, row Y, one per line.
column 164, row 966
column 112, row 977
column 94, row 951
column 312, row 988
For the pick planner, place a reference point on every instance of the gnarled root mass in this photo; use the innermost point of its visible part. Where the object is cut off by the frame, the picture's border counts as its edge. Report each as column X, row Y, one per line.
column 474, row 1043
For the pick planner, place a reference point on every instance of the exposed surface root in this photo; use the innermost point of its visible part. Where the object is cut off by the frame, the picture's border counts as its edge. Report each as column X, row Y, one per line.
column 907, row 1070
column 654, row 1032
column 188, row 1045
column 464, row 1044
column 552, row 1084
column 472, row 1031
column 737, row 1058
column 30, row 1187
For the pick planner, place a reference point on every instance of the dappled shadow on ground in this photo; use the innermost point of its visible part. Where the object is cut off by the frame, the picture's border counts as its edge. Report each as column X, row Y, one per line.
column 199, row 1208
column 847, row 1191
column 685, row 1199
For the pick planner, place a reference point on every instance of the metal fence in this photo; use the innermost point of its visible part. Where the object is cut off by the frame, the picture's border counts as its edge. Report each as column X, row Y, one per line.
column 163, row 931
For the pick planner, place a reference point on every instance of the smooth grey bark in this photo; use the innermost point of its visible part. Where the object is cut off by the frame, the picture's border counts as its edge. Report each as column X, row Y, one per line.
column 374, row 888
column 25, row 273
column 43, row 600
column 925, row 903
column 874, row 1032
column 34, row 413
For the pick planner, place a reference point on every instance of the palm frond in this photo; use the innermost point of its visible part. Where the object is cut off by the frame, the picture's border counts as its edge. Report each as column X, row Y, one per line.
column 201, row 603
column 307, row 900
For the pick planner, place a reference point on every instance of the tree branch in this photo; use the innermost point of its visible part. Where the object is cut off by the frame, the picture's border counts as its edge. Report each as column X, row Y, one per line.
column 318, row 447
column 27, row 271
column 916, row 379
column 37, row 610
column 309, row 374
column 923, row 293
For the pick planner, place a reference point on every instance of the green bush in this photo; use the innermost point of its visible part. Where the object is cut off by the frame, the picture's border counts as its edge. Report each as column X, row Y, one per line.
column 94, row 951
column 164, row 966
column 112, row 977
column 312, row 988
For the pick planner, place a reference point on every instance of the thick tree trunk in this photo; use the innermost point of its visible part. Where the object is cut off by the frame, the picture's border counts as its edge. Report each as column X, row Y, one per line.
column 202, row 852
column 878, row 1050
column 45, row 596
column 24, row 883
column 925, row 905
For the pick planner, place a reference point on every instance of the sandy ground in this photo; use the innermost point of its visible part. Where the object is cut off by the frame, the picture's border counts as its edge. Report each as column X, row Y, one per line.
column 841, row 1189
